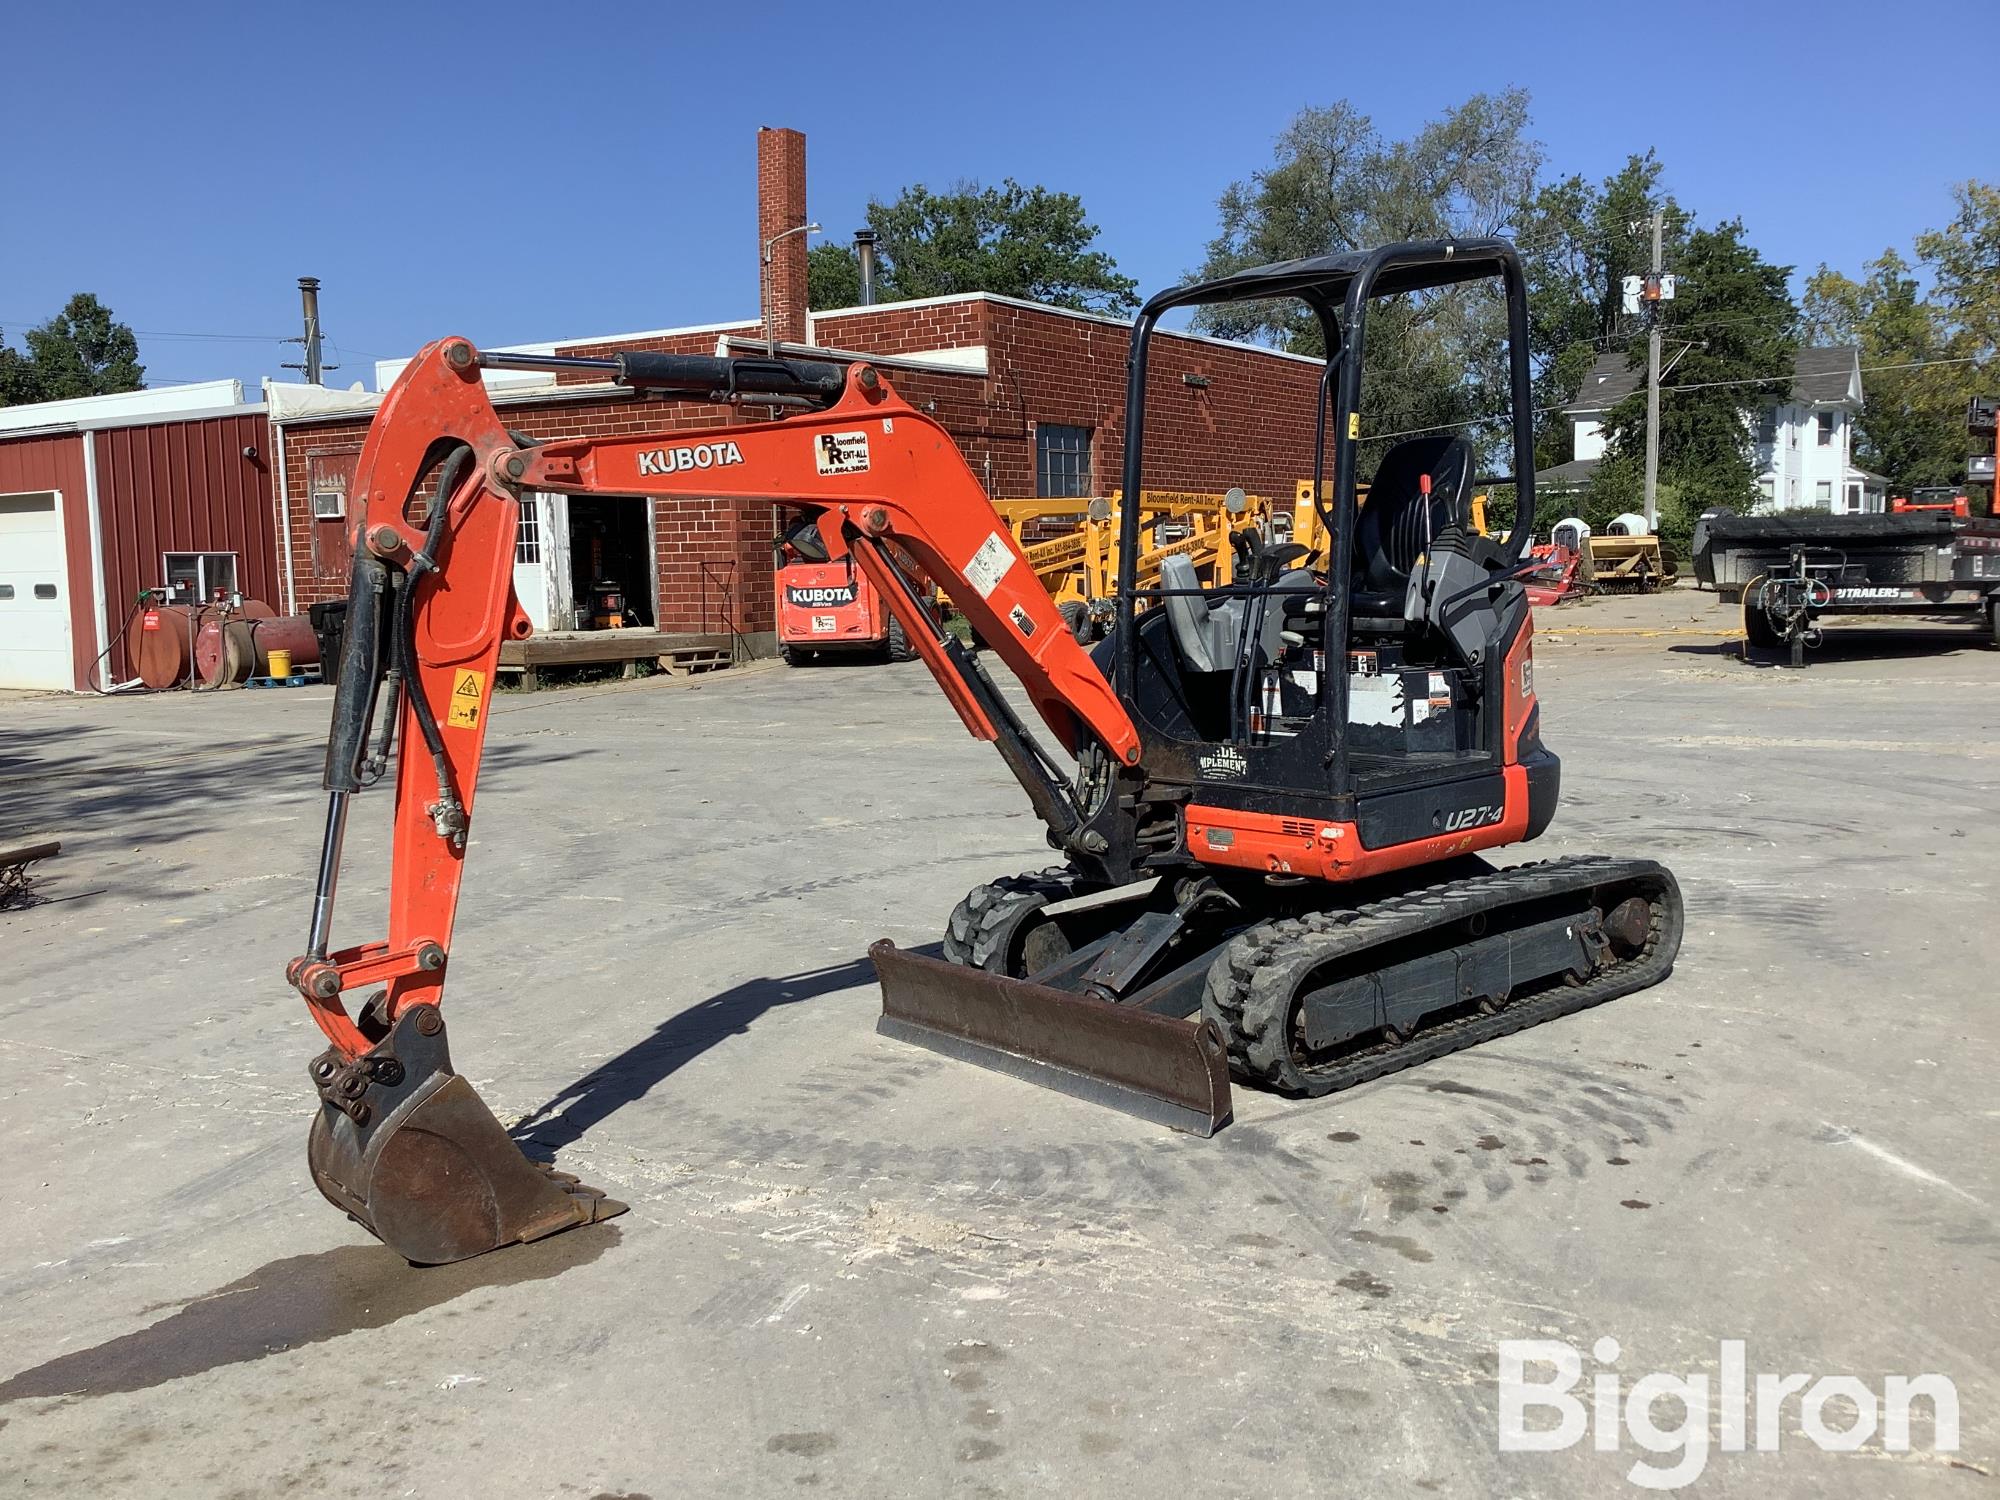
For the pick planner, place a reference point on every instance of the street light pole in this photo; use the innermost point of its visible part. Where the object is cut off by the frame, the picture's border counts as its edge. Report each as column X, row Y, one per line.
column 770, row 328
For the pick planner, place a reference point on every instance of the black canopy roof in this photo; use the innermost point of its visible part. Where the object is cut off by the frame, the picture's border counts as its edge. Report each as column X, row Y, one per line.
column 1408, row 267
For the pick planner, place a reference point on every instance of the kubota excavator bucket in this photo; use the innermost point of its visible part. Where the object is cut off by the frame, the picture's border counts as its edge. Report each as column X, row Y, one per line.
column 1161, row 1068
column 407, row 1149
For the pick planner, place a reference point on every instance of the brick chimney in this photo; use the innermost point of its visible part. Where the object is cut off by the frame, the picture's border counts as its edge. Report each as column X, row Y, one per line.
column 781, row 205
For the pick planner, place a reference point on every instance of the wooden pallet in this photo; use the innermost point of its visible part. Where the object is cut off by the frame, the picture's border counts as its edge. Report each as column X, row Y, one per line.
column 669, row 651
column 695, row 659
column 297, row 679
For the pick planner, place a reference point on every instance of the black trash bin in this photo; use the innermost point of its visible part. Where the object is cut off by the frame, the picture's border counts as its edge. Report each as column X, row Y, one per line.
column 329, row 623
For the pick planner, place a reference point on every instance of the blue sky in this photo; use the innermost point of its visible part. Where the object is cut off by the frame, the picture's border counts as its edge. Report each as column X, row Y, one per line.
column 517, row 172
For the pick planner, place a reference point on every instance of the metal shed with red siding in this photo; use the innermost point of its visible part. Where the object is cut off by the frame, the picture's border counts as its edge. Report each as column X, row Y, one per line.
column 98, row 494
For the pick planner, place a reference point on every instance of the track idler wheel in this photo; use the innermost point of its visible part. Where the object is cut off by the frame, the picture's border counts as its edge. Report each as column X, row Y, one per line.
column 408, row 1150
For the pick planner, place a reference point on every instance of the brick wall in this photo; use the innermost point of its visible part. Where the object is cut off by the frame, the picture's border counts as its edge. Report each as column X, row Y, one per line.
column 712, row 558
column 1251, row 425
column 896, row 329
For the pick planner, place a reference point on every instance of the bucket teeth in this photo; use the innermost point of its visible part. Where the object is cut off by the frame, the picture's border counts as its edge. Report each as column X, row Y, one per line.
column 423, row 1164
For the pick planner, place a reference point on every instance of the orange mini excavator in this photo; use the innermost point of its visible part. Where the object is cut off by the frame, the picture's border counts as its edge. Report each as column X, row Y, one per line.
column 1267, row 805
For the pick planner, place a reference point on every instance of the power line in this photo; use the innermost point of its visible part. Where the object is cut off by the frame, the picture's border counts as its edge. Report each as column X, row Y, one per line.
column 155, row 333
column 1914, row 364
column 1542, row 411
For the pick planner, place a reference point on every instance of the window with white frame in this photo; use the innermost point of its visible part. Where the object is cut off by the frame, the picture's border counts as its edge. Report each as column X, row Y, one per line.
column 528, row 535
column 1829, row 427
column 200, row 575
column 1823, row 494
column 329, row 504
column 1767, row 426
column 1854, row 499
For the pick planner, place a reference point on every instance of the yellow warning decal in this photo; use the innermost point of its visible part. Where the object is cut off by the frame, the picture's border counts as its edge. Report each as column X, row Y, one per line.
column 1353, row 425
column 468, row 693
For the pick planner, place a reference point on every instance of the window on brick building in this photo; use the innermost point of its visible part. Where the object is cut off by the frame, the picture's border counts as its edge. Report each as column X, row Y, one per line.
column 199, row 575
column 528, row 535
column 1062, row 460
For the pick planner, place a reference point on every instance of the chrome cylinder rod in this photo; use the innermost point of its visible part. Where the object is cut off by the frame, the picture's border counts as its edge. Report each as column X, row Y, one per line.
column 329, row 874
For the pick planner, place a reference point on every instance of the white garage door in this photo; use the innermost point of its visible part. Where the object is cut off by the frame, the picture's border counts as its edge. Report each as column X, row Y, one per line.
column 34, row 594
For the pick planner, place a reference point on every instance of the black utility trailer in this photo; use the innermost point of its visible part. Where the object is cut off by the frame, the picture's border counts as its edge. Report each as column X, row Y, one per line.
column 1793, row 571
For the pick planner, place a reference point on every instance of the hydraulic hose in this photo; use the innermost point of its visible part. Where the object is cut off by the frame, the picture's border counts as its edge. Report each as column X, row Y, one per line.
column 448, row 812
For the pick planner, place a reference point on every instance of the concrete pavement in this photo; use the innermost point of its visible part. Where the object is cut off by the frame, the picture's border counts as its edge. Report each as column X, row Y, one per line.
column 864, row 1270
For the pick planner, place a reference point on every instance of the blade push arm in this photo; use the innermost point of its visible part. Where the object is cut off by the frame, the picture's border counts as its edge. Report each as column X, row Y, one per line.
column 876, row 468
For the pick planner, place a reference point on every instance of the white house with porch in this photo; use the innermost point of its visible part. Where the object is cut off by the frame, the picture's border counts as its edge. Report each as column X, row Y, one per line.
column 1802, row 447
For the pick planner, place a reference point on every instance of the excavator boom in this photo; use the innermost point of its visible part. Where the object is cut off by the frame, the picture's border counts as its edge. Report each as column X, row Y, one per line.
column 402, row 1143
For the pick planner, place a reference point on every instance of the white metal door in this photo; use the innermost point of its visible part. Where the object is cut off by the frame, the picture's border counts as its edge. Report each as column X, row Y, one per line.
column 555, row 560
column 541, row 561
column 34, row 594
column 531, row 579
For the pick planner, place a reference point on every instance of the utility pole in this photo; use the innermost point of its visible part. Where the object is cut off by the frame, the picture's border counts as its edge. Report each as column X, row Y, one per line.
column 1653, row 383
column 309, row 307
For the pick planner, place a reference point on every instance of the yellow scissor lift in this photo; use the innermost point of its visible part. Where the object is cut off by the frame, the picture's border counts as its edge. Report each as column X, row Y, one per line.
column 1079, row 566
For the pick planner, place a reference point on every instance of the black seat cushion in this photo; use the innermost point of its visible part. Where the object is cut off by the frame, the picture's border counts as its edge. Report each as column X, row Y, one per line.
column 1393, row 530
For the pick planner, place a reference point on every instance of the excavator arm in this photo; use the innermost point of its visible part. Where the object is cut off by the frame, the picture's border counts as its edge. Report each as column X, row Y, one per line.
column 402, row 1143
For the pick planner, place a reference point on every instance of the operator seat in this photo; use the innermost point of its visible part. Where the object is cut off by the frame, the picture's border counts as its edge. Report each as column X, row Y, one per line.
column 1207, row 634
column 1393, row 529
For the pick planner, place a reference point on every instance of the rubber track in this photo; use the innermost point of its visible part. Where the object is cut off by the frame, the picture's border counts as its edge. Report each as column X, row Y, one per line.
column 1251, row 987
column 974, row 933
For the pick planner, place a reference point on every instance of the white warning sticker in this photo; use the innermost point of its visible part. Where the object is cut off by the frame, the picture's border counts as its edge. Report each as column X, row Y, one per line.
column 841, row 452
column 990, row 564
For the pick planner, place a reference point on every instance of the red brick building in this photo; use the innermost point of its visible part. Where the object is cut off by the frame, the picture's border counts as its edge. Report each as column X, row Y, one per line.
column 1033, row 395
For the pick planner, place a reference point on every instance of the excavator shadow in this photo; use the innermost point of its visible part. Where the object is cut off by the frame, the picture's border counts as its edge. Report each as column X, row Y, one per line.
column 676, row 1041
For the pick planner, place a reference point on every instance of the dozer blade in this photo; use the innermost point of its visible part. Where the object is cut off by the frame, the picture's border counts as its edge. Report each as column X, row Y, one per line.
column 407, row 1149
column 1168, row 1071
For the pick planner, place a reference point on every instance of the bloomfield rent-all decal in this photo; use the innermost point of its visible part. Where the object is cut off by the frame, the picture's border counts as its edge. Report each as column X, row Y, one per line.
column 695, row 456
column 841, row 452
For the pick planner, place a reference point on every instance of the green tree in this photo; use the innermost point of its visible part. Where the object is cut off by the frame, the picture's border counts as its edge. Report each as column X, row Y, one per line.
column 1730, row 343
column 833, row 277
column 1963, row 259
column 17, row 376
column 1912, row 423
column 81, row 351
column 1578, row 243
column 1010, row 240
column 1337, row 183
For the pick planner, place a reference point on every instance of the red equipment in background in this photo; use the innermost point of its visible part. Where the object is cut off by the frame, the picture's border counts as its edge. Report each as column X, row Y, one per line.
column 823, row 605
column 1555, row 580
column 1937, row 497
